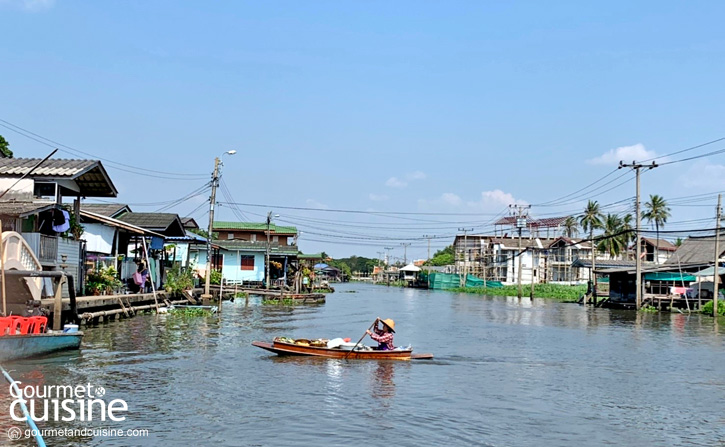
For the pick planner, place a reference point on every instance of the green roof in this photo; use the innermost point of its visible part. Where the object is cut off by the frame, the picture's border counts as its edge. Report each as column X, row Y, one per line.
column 252, row 226
column 310, row 256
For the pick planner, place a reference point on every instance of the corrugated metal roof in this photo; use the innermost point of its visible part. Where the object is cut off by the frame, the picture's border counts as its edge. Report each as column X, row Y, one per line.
column 90, row 175
column 696, row 250
column 106, row 209
column 253, row 226
column 117, row 223
column 274, row 249
column 544, row 223
column 167, row 223
column 24, row 209
column 664, row 244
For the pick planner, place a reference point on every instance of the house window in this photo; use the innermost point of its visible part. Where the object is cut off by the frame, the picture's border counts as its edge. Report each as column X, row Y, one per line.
column 253, row 238
column 230, row 236
column 275, row 239
column 247, row 262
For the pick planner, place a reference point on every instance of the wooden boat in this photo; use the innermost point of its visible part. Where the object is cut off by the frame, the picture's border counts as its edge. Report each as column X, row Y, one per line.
column 13, row 347
column 282, row 348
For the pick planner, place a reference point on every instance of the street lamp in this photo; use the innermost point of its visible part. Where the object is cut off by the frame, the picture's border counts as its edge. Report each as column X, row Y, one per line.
column 267, row 273
column 212, row 200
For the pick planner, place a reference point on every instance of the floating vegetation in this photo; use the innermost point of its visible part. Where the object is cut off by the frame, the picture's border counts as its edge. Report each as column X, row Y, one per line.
column 286, row 302
column 649, row 309
column 707, row 308
column 191, row 311
column 567, row 294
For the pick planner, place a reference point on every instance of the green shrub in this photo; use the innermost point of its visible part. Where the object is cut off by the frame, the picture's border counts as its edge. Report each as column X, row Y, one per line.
column 179, row 280
column 215, row 277
column 707, row 308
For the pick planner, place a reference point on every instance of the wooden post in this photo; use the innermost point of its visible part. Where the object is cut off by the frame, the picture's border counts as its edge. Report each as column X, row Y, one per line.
column 2, row 271
column 58, row 305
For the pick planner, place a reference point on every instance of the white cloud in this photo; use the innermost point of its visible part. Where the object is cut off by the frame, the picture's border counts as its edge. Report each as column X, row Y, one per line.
column 494, row 200
column 395, row 182
column 378, row 197
column 315, row 204
column 30, row 5
column 627, row 154
column 417, row 175
column 451, row 199
column 703, row 175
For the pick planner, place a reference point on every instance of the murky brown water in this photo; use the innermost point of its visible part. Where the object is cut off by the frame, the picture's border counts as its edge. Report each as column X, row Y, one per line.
column 506, row 373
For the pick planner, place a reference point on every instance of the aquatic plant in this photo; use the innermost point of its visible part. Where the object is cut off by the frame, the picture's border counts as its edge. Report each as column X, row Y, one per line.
column 707, row 308
column 569, row 294
column 178, row 280
column 649, row 309
column 191, row 312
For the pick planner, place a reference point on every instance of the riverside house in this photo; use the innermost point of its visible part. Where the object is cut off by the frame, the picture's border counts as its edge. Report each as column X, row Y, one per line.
column 45, row 208
column 242, row 252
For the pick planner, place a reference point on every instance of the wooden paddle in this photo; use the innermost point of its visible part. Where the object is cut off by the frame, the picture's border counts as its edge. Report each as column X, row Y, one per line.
column 361, row 338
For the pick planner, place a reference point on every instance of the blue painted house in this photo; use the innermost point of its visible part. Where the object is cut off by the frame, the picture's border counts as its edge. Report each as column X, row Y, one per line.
column 241, row 251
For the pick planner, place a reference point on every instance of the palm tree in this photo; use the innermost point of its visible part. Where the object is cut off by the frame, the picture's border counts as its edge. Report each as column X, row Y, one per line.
column 658, row 212
column 627, row 226
column 590, row 220
column 571, row 227
column 615, row 241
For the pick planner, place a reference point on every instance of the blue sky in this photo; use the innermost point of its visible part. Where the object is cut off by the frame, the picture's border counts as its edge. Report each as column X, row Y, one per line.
column 452, row 108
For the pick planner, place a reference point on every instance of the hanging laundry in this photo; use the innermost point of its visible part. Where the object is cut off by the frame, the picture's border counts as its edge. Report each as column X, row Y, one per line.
column 64, row 220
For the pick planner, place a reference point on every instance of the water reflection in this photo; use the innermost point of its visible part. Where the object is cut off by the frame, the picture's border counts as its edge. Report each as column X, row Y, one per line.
column 383, row 386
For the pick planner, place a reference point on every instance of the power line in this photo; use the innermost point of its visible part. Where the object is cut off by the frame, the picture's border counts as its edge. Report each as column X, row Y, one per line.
column 116, row 165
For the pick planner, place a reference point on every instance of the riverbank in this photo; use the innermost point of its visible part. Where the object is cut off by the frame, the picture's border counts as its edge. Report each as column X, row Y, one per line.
column 557, row 292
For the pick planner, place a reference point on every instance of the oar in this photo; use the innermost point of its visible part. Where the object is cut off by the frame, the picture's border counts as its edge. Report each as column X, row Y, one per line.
column 361, row 338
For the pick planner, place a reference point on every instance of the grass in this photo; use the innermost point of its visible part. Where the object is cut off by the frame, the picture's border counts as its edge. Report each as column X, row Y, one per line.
column 565, row 294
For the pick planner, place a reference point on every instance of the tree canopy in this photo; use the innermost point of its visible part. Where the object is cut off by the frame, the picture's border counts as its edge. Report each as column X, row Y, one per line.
column 442, row 257
column 5, row 147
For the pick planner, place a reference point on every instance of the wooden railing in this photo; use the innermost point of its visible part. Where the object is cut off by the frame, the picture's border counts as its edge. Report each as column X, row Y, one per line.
column 45, row 247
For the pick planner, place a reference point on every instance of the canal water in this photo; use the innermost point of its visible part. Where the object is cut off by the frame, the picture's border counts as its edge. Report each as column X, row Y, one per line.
column 507, row 372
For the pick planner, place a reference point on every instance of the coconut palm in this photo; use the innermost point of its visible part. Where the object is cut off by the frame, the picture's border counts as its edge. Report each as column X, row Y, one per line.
column 657, row 211
column 615, row 240
column 571, row 227
column 590, row 220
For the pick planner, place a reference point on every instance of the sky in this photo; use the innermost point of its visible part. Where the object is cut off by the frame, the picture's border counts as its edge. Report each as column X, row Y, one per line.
column 416, row 118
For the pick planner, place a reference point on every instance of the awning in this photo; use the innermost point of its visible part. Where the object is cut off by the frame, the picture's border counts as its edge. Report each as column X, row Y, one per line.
column 710, row 271
column 669, row 276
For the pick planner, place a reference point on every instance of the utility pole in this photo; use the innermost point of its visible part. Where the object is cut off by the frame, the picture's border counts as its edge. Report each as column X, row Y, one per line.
column 267, row 272
column 462, row 278
column 716, row 277
column 521, row 217
column 212, row 200
column 429, row 238
column 638, row 248
column 405, row 252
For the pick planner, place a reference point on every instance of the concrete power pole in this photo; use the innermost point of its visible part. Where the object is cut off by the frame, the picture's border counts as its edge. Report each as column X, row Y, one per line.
column 429, row 238
column 462, row 279
column 405, row 252
column 212, row 200
column 520, row 224
column 638, row 217
column 716, row 277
